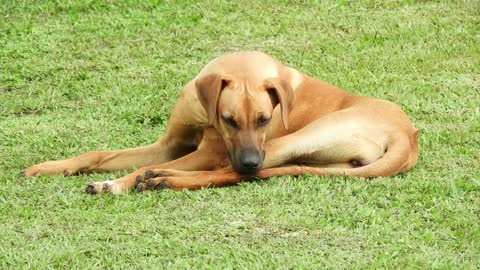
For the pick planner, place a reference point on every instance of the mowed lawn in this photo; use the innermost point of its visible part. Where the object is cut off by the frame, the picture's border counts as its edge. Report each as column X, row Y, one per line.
column 77, row 76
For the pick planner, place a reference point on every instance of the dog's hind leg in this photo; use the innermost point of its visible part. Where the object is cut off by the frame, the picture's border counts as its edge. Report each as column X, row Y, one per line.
column 346, row 142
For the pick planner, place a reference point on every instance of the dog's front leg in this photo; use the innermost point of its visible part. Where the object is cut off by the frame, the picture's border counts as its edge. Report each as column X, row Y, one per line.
column 204, row 159
column 179, row 180
column 109, row 160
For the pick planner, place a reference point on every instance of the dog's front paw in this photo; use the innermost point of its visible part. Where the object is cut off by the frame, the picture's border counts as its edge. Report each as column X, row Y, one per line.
column 50, row 168
column 103, row 187
column 149, row 182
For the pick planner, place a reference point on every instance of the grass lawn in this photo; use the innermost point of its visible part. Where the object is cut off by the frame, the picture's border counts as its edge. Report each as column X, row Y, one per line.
column 77, row 76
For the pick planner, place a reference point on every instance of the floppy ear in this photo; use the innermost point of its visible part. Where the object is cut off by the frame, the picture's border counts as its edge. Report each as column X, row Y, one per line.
column 208, row 92
column 281, row 93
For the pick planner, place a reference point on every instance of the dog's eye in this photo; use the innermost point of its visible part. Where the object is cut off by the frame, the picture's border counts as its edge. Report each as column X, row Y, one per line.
column 262, row 121
column 230, row 122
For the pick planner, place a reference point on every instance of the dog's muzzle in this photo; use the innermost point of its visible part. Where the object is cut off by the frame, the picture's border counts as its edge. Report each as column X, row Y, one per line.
column 248, row 161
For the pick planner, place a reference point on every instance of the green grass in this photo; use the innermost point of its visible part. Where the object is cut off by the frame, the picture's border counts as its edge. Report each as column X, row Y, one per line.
column 77, row 76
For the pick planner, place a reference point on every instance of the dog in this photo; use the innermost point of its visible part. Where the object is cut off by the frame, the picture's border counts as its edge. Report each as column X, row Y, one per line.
column 246, row 115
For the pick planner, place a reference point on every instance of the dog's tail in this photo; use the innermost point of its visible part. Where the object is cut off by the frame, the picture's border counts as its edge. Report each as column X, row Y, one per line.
column 401, row 155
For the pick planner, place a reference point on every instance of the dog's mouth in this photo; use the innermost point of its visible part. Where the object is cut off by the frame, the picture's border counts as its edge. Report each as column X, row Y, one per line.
column 246, row 171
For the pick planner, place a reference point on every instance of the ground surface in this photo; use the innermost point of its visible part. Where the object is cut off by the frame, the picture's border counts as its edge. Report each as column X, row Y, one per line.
column 77, row 76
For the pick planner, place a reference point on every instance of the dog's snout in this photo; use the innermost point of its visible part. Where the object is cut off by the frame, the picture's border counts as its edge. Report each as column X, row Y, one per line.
column 251, row 160
column 248, row 161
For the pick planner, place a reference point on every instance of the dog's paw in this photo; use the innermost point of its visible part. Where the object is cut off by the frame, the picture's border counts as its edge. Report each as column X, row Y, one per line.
column 156, row 173
column 49, row 168
column 103, row 187
column 147, row 183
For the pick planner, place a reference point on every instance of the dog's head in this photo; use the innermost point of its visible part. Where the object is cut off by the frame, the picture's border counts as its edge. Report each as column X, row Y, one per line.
column 241, row 111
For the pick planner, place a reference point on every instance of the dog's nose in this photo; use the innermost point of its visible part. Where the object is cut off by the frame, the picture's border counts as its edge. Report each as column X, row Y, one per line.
column 247, row 161
column 250, row 160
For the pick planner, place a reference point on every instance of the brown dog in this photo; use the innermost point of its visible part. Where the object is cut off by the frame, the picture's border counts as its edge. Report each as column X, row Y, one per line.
column 227, row 127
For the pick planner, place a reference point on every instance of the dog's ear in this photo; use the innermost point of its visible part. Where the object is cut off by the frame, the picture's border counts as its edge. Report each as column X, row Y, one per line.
column 281, row 93
column 208, row 92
